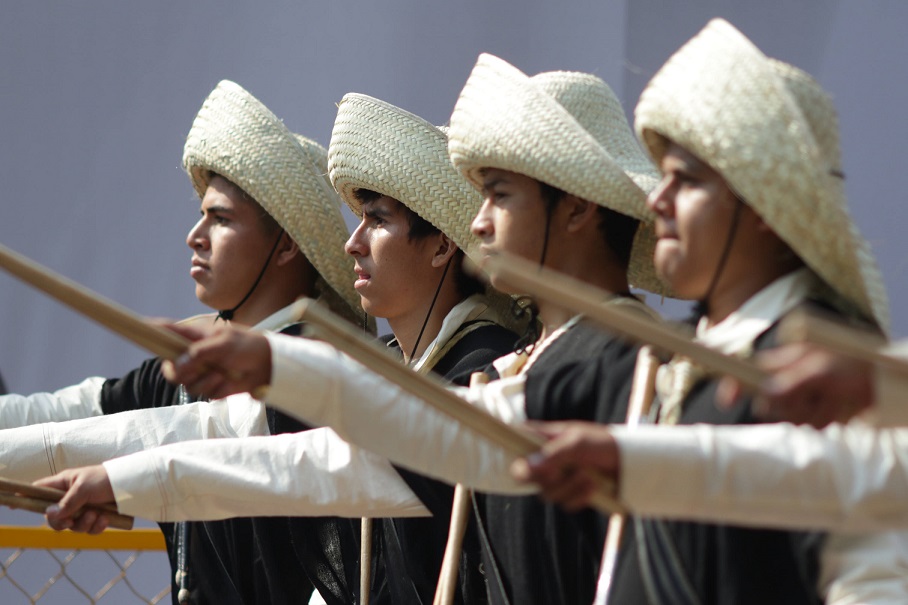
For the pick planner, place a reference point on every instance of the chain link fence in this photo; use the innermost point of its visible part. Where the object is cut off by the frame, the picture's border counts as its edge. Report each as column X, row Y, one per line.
column 40, row 566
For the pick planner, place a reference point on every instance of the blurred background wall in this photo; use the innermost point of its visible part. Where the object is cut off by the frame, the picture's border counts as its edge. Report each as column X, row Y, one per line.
column 97, row 97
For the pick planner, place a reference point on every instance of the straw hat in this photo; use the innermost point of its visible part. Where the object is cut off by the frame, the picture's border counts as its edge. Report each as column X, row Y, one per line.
column 236, row 136
column 566, row 129
column 772, row 132
column 380, row 147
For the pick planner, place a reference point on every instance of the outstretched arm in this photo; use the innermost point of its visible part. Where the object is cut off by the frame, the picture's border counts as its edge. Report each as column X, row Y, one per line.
column 808, row 385
column 36, row 451
column 846, row 478
column 312, row 473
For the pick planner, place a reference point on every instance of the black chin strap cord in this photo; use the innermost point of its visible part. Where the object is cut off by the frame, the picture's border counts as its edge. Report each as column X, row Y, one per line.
column 431, row 308
column 702, row 306
column 227, row 314
column 524, row 306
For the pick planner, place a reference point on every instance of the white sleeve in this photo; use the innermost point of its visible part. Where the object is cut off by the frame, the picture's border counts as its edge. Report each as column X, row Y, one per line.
column 81, row 400
column 851, row 478
column 313, row 381
column 32, row 452
column 865, row 569
column 311, row 473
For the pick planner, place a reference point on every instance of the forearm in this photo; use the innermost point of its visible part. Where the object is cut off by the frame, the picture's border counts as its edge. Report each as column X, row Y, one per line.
column 313, row 381
column 849, row 479
column 313, row 473
column 73, row 402
column 864, row 569
column 29, row 453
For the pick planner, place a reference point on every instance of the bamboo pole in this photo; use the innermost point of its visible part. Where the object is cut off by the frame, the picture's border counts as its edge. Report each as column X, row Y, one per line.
column 863, row 345
column 643, row 391
column 430, row 389
column 365, row 560
column 579, row 297
column 26, row 496
column 119, row 319
column 446, row 589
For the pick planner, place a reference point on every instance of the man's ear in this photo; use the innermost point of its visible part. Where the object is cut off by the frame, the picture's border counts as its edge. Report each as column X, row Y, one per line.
column 579, row 212
column 286, row 251
column 444, row 251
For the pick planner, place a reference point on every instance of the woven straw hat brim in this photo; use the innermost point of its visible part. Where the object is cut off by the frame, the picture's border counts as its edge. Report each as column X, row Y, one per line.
column 566, row 129
column 383, row 148
column 757, row 122
column 236, row 136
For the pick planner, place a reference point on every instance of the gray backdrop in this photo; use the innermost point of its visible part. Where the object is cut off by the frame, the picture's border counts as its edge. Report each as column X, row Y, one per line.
column 97, row 98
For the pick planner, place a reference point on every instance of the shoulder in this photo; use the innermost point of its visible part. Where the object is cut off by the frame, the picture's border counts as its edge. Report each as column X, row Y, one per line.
column 475, row 350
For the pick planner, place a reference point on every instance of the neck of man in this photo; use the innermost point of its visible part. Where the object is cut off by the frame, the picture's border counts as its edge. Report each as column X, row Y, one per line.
column 407, row 327
column 270, row 296
column 594, row 265
column 737, row 286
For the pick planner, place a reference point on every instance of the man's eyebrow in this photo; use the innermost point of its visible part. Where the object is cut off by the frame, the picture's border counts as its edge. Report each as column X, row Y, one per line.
column 373, row 211
column 486, row 185
column 214, row 209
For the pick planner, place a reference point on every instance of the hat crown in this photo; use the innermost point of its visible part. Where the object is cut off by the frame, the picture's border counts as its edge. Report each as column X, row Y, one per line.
column 596, row 108
column 817, row 108
column 380, row 147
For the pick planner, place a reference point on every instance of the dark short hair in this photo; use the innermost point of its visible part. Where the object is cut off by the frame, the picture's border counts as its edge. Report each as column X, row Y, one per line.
column 419, row 227
column 617, row 229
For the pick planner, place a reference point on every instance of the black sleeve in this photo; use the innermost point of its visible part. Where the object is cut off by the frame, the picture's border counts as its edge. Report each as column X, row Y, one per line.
column 144, row 387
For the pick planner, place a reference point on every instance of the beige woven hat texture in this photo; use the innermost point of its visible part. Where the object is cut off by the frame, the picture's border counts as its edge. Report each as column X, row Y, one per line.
column 380, row 147
column 566, row 129
column 236, row 136
column 772, row 132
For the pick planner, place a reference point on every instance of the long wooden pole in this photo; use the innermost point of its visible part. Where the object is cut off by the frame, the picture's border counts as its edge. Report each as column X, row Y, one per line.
column 804, row 326
column 156, row 339
column 643, row 391
column 430, row 389
column 579, row 297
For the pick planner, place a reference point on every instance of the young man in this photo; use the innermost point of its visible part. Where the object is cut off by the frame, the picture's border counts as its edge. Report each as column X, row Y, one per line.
column 564, row 186
column 748, row 148
column 407, row 257
column 270, row 232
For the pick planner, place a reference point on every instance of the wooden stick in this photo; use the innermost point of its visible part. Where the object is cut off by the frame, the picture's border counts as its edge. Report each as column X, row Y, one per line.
column 579, row 297
column 446, row 587
column 365, row 560
column 36, row 499
column 643, row 391
column 280, row 318
column 460, row 516
column 158, row 340
column 863, row 345
column 431, row 390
